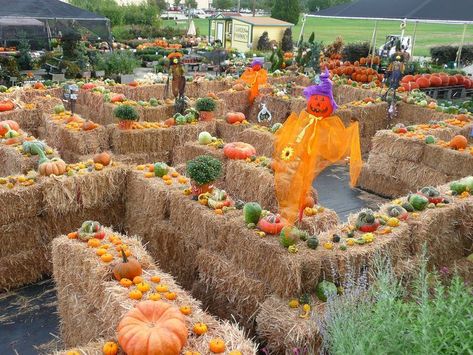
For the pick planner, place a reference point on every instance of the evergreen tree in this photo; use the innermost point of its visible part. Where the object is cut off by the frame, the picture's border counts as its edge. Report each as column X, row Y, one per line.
column 286, row 10
column 286, row 43
column 24, row 59
column 263, row 42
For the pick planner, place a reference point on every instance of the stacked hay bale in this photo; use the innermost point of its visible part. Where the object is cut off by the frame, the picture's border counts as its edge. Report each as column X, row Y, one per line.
column 279, row 107
column 91, row 304
column 397, row 165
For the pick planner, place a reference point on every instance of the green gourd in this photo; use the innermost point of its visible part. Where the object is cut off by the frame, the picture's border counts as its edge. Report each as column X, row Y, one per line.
column 252, row 212
column 33, row 147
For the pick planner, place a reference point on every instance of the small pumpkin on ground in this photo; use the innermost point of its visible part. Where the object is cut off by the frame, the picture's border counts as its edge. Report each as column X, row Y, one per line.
column 152, row 327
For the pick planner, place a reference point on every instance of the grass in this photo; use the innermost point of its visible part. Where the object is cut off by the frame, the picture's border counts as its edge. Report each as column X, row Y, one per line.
column 326, row 30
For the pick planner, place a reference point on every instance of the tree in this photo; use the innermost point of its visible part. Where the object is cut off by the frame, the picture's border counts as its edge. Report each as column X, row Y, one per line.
column 286, row 10
column 162, row 5
column 286, row 43
column 24, row 59
column 263, row 42
column 223, row 4
column 177, row 3
column 191, row 4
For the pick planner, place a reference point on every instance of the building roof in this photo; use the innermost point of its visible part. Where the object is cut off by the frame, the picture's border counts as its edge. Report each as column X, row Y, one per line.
column 263, row 21
column 460, row 11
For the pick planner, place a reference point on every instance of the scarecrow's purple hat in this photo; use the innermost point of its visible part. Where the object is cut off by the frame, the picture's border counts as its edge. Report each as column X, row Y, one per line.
column 324, row 89
column 257, row 61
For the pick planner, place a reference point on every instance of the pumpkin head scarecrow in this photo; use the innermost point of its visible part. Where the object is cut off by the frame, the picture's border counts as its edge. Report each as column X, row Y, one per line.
column 255, row 76
column 177, row 72
column 307, row 144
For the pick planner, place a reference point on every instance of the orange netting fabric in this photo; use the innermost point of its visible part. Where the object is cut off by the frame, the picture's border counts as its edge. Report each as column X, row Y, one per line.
column 254, row 78
column 304, row 146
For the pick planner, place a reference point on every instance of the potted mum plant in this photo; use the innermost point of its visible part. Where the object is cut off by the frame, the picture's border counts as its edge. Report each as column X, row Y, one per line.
column 203, row 171
column 126, row 115
column 206, row 108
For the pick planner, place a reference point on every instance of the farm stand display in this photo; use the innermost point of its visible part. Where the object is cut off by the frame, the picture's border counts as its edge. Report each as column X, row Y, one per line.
column 403, row 162
column 80, row 273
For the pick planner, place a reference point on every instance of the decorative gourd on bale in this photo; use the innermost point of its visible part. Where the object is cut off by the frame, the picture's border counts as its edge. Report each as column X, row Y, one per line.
column 271, row 224
column 366, row 222
column 39, row 85
column 152, row 327
column 7, row 125
column 6, row 105
column 129, row 268
column 325, row 289
column 217, row 346
column 397, row 211
column 47, row 167
column 289, row 236
column 418, row 202
column 160, row 169
column 252, row 212
column 89, row 230
column 88, row 86
column 102, row 158
column 10, row 133
column 117, row 98
column 238, row 150
column 110, row 348
column 33, row 147
column 235, row 117
column 432, row 194
column 458, row 142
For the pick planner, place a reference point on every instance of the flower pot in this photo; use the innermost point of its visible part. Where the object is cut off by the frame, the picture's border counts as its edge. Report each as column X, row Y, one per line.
column 125, row 124
column 200, row 189
column 206, row 115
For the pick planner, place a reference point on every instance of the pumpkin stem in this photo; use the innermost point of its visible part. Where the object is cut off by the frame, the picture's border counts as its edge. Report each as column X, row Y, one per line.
column 125, row 259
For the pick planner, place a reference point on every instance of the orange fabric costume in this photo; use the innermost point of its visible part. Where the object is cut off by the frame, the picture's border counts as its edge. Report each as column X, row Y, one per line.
column 254, row 76
column 307, row 144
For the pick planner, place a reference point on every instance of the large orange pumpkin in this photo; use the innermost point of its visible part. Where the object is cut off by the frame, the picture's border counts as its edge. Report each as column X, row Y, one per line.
column 319, row 106
column 452, row 81
column 238, row 150
column 445, row 79
column 467, row 83
column 152, row 327
column 458, row 142
column 459, row 78
column 6, row 105
column 234, row 117
column 435, row 80
column 423, row 82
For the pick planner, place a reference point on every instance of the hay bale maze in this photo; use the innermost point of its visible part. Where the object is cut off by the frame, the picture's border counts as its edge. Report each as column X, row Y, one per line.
column 221, row 262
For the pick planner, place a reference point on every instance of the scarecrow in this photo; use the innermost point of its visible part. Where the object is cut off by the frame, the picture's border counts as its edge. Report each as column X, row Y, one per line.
column 255, row 76
column 307, row 144
column 394, row 73
column 177, row 71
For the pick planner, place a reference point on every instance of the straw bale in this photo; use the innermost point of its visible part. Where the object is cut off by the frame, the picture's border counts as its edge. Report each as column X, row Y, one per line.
column 416, row 176
column 21, row 203
column 142, row 158
column 97, row 189
column 464, row 268
column 410, row 114
column 283, row 329
column 236, row 101
column 227, row 290
column 92, row 348
column 29, row 94
column 376, row 181
column 382, row 163
column 229, row 132
column 251, row 183
column 446, row 232
column 23, row 267
column 320, row 222
column 21, row 235
column 448, row 161
column 157, row 114
column 263, row 141
column 111, row 301
column 193, row 149
column 279, row 107
column 80, row 142
column 344, row 94
column 14, row 162
column 398, row 147
column 14, row 115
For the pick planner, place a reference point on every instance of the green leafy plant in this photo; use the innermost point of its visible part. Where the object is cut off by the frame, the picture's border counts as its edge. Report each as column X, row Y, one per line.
column 204, row 169
column 286, row 43
column 205, row 104
column 120, row 62
column 126, row 113
column 24, row 58
column 426, row 316
column 263, row 42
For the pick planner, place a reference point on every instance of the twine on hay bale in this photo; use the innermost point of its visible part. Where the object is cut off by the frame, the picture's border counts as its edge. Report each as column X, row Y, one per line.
column 97, row 189
column 263, row 141
column 283, row 329
column 72, row 260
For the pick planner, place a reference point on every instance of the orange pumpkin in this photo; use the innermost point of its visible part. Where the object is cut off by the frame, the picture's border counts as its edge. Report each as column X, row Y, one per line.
column 117, row 98
column 88, row 86
column 12, row 124
column 129, row 268
column 39, row 85
column 170, row 122
column 435, row 80
column 234, row 117
column 152, row 327
column 319, row 106
column 54, row 166
column 102, row 158
column 212, row 95
column 423, row 82
column 458, row 142
column 217, row 346
column 6, row 105
column 89, row 126
column 238, row 150
column 110, row 348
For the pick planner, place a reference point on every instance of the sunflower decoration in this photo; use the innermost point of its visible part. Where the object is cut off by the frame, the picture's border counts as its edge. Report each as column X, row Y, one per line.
column 175, row 57
column 287, row 153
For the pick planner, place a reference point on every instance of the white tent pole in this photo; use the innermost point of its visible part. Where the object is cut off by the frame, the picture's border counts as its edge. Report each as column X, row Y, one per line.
column 302, row 30
column 459, row 53
column 414, row 40
column 375, row 36
column 372, row 42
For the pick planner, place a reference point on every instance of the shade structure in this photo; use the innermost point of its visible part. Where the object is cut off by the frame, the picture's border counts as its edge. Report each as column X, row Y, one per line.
column 56, row 17
column 191, row 31
column 452, row 11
